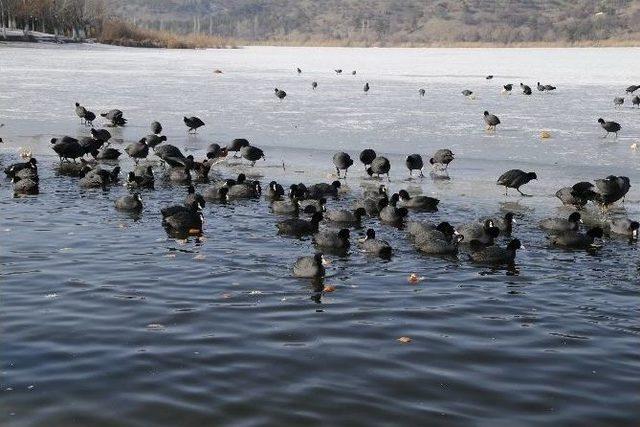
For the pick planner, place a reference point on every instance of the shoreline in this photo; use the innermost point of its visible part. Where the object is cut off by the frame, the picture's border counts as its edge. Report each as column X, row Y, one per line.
column 18, row 36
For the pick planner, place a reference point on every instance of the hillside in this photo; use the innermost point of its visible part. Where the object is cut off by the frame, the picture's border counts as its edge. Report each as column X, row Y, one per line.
column 392, row 22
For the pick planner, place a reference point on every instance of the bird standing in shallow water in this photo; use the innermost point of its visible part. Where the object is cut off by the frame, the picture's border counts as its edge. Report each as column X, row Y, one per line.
column 442, row 158
column 314, row 85
column 342, row 161
column 251, row 153
column 414, row 162
column 380, row 166
column 366, row 88
column 366, row 157
column 156, row 128
column 193, row 123
column 138, row 150
column 515, row 178
column 491, row 120
column 280, row 94
column 80, row 112
column 610, row 127
column 421, row 92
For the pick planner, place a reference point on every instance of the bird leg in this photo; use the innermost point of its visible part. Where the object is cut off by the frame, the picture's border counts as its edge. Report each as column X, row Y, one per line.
column 522, row 194
column 388, row 177
column 410, row 173
column 338, row 171
column 421, row 174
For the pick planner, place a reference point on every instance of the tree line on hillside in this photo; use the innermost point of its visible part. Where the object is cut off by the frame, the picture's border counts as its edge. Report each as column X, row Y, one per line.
column 74, row 18
column 346, row 22
column 392, row 22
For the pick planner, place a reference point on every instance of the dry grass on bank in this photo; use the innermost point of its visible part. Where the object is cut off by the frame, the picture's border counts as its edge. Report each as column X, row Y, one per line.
column 122, row 33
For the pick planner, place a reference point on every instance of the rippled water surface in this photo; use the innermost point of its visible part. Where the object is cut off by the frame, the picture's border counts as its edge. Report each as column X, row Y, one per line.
column 107, row 321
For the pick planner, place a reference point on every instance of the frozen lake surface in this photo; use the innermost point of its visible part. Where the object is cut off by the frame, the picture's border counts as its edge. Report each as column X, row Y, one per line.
column 107, row 321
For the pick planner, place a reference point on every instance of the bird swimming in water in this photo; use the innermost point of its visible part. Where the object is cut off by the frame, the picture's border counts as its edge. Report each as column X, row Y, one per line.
column 130, row 202
column 421, row 92
column 414, row 162
column 561, row 224
column 345, row 217
column 13, row 169
column 389, row 213
column 507, row 88
column 423, row 203
column 575, row 239
column 526, row 90
column 618, row 101
column 489, row 77
column 610, row 127
column 491, row 120
column 331, row 239
column 300, row 227
column 342, row 161
column 299, row 70
column 338, row 71
column 467, row 92
column 494, row 254
column 25, row 186
column 373, row 246
column 625, row 227
column 280, row 94
column 515, row 178
column 314, row 85
column 366, row 87
column 192, row 123
column 309, row 267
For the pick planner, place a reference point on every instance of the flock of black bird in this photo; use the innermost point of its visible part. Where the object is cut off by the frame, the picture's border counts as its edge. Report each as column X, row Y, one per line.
column 306, row 204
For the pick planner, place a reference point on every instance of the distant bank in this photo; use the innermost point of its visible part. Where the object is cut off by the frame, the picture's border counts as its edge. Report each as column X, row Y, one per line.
column 121, row 33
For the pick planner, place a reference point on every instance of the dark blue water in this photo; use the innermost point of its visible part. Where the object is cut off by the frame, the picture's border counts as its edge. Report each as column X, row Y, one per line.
column 108, row 321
